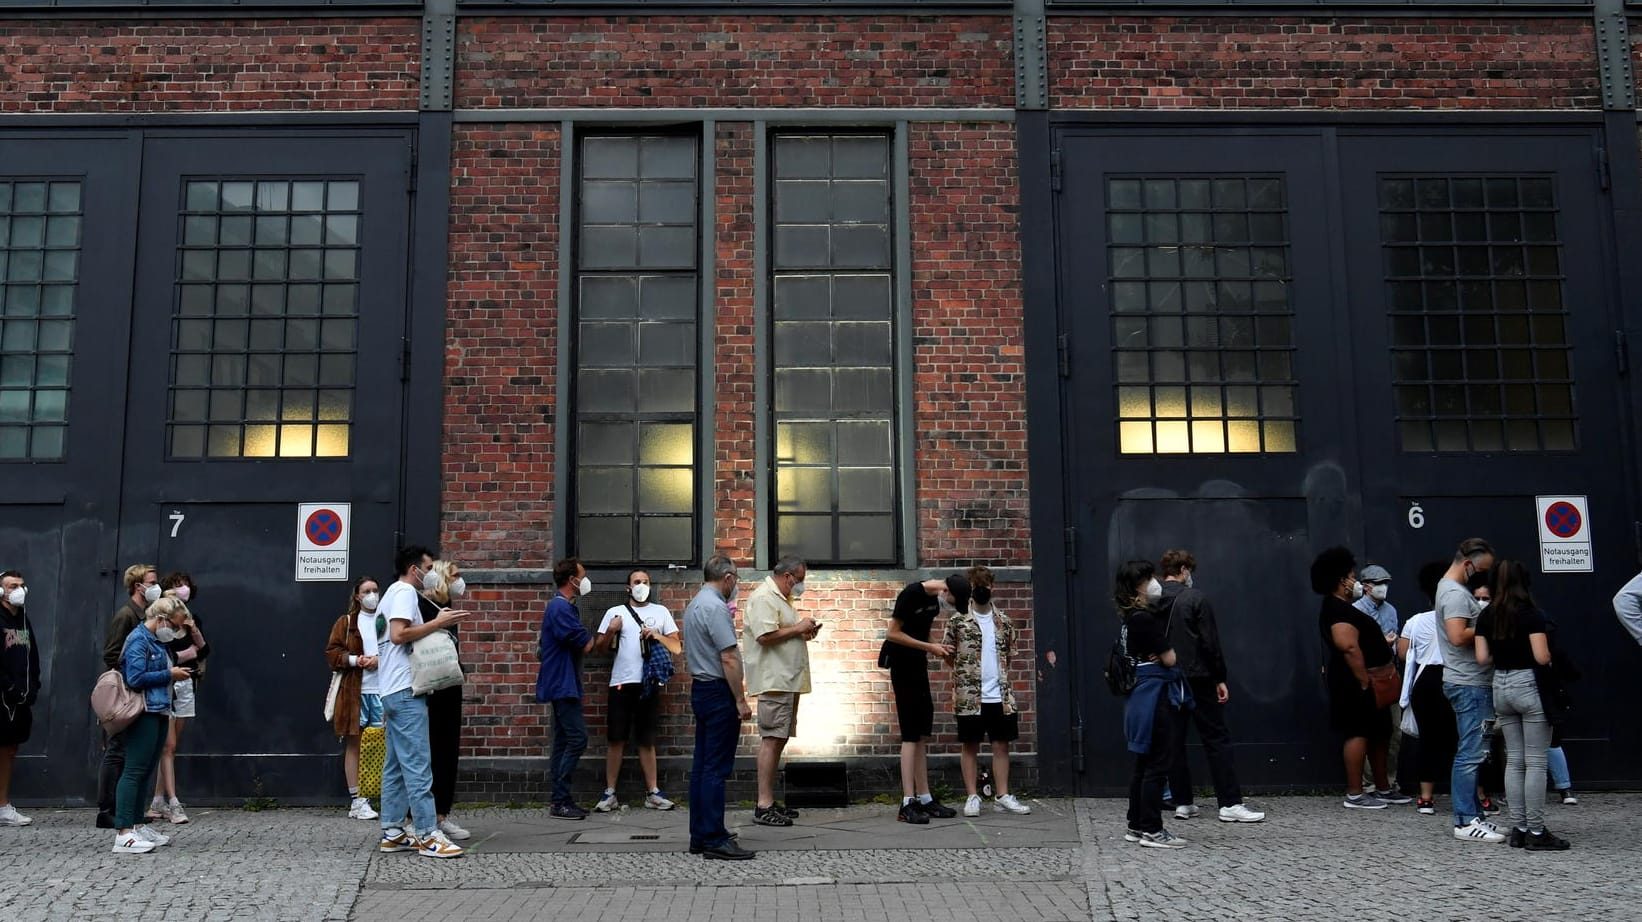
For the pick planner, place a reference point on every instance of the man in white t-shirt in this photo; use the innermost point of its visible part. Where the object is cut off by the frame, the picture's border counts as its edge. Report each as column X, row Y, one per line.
column 407, row 768
column 633, row 710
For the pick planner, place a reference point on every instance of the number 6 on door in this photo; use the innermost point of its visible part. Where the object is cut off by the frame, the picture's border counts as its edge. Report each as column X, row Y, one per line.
column 1416, row 516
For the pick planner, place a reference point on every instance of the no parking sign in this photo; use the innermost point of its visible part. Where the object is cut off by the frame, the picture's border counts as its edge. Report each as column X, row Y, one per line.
column 1564, row 534
column 322, row 542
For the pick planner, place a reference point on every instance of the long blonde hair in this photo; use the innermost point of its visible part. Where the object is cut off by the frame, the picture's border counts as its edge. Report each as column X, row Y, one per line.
column 443, row 568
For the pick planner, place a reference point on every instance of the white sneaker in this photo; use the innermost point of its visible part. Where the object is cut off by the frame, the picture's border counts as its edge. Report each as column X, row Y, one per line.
column 1161, row 839
column 448, row 827
column 655, row 801
column 435, row 845
column 1478, row 831
column 174, row 813
column 607, row 803
column 10, row 817
column 360, row 809
column 1240, row 813
column 1186, row 812
column 147, row 833
column 972, row 806
column 1008, row 804
column 129, row 843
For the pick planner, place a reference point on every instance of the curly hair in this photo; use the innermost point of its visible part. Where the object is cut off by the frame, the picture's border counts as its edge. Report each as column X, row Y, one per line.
column 1330, row 567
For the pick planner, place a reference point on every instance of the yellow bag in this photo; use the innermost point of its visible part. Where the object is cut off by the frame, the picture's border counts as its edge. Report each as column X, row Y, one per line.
column 373, row 750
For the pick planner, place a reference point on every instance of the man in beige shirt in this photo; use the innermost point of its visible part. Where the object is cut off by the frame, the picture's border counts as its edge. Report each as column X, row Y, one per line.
column 776, row 644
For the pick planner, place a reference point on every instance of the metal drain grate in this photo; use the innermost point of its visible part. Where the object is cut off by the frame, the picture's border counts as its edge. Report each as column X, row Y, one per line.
column 637, row 838
column 612, row 837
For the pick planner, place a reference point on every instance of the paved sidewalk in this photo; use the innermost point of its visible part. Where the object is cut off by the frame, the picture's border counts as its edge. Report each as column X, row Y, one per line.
column 1067, row 862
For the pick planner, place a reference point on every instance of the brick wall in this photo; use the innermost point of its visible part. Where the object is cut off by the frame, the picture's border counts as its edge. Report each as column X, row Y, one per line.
column 1315, row 63
column 208, row 65
column 692, row 61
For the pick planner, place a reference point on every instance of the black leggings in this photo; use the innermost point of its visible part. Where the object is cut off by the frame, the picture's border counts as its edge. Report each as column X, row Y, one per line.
column 1152, row 770
column 1439, row 735
column 444, row 744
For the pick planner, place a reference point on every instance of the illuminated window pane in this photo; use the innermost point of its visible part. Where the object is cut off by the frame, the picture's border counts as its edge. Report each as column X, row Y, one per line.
column 234, row 231
column 1202, row 326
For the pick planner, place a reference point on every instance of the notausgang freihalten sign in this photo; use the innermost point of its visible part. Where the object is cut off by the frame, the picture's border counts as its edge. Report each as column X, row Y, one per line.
column 322, row 542
column 1564, row 534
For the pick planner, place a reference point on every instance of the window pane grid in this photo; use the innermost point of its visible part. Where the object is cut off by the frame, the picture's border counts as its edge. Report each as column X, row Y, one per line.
column 1199, row 281
column 832, row 339
column 40, row 229
column 265, row 323
column 1480, row 352
column 637, row 303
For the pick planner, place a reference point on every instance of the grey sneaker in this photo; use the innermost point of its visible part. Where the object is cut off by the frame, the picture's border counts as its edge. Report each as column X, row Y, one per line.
column 1393, row 797
column 1161, row 839
column 1364, row 801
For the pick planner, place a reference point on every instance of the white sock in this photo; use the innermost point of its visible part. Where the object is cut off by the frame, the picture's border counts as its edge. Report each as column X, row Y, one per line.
column 926, row 798
column 354, row 791
column 905, row 801
column 609, row 792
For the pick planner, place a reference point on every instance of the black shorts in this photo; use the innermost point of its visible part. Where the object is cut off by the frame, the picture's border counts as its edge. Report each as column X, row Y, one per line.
column 991, row 723
column 1352, row 714
column 914, row 705
column 632, row 716
column 16, row 723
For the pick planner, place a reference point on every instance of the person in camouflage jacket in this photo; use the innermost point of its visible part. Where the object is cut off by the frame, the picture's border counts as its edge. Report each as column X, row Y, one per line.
column 963, row 634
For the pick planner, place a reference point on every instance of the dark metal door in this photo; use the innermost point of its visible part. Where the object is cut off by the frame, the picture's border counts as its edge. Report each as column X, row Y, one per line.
column 1487, row 375
column 66, row 219
column 266, row 362
column 1202, row 388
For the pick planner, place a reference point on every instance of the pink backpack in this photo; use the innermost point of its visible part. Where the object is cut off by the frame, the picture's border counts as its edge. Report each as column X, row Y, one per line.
column 116, row 704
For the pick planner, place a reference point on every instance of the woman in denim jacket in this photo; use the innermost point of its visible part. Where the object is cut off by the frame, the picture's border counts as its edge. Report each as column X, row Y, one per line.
column 147, row 668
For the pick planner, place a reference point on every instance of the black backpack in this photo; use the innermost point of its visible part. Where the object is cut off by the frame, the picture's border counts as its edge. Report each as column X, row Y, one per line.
column 1120, row 666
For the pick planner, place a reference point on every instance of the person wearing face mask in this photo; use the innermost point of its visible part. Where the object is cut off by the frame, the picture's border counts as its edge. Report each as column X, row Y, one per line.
column 906, row 653
column 778, row 672
column 1150, row 711
column 147, row 668
column 633, row 711
column 142, row 586
column 719, row 705
column 442, row 587
column 1376, row 582
column 564, row 641
column 1195, row 638
column 189, row 651
column 19, row 685
column 345, row 651
column 407, row 773
column 983, row 697
column 1468, row 685
column 1352, row 645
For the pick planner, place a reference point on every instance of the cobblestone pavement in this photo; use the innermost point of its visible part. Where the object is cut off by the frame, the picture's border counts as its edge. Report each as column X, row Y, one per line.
column 1312, row 860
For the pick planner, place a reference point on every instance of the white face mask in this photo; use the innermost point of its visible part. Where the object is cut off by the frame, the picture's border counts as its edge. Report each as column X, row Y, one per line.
column 1481, row 604
column 1189, row 581
column 1356, row 589
column 1154, row 591
column 16, row 596
column 585, row 588
column 458, row 587
column 797, row 589
column 1379, row 592
column 640, row 592
column 368, row 601
column 151, row 592
column 167, row 634
column 432, row 581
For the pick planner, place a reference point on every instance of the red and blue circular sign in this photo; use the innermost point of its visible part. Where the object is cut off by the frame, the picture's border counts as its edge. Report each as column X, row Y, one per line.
column 323, row 527
column 1563, row 519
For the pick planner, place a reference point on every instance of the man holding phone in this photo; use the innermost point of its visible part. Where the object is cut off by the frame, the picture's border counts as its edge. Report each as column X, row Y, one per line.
column 407, row 768
column 778, row 672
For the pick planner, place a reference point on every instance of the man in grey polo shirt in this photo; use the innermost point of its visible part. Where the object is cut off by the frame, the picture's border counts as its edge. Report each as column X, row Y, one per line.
column 1468, row 685
column 719, row 702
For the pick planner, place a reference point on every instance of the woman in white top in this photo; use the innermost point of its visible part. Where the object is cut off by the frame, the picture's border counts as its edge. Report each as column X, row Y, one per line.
column 1422, row 689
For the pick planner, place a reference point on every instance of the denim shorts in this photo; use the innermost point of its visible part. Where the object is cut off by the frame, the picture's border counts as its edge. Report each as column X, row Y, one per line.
column 370, row 710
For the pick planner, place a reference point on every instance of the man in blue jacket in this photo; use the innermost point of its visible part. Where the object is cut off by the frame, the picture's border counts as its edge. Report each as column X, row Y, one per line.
column 564, row 641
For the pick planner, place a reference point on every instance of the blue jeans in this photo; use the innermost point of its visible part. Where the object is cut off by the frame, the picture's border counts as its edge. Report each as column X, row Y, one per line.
column 569, row 742
column 407, row 773
column 718, row 726
column 1473, row 704
column 1557, row 761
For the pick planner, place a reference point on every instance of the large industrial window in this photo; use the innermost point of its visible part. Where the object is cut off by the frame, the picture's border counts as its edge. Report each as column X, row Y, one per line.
column 1201, row 321
column 40, row 225
column 1478, row 325
column 264, row 327
column 637, row 282
column 832, row 287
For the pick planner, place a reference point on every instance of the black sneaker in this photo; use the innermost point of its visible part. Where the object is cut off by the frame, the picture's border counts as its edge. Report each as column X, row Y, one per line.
column 729, row 851
column 1545, row 841
column 937, row 810
column 913, row 813
column 771, row 816
column 567, row 812
column 784, row 810
column 1517, row 837
column 1490, row 806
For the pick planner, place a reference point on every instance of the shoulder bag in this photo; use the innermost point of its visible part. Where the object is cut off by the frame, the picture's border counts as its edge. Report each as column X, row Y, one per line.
column 435, row 666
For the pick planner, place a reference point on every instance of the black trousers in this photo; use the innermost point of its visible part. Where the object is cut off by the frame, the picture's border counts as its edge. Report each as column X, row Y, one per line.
column 1439, row 736
column 1210, row 718
column 444, row 744
column 1152, row 771
column 108, row 778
